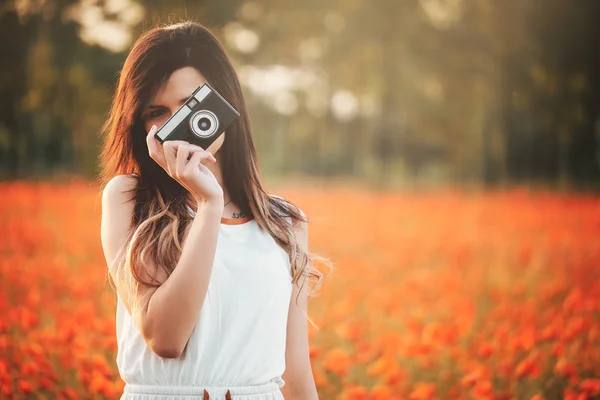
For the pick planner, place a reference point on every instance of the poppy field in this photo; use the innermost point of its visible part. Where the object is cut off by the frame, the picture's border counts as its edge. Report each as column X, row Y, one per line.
column 447, row 294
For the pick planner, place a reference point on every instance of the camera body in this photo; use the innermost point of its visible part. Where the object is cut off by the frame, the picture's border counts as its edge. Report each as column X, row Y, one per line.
column 200, row 120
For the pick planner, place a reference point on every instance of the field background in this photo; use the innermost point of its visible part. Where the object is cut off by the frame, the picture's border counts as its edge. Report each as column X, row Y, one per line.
column 438, row 294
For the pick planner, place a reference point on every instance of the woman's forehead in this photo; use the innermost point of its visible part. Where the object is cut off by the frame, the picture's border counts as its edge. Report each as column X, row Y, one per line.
column 180, row 86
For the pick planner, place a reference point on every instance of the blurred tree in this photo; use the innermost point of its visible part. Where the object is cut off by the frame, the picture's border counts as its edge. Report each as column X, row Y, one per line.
column 395, row 92
column 45, row 128
column 562, row 77
column 13, row 82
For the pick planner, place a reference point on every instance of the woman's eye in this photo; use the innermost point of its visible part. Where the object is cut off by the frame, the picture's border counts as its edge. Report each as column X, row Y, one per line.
column 154, row 114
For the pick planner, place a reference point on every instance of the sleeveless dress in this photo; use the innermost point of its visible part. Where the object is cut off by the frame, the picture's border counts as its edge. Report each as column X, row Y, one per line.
column 238, row 342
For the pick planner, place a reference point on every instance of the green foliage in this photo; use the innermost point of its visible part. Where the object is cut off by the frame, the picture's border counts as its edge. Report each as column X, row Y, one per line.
column 388, row 91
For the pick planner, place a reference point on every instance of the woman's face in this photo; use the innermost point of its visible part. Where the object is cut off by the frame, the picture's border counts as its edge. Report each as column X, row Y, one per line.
column 171, row 96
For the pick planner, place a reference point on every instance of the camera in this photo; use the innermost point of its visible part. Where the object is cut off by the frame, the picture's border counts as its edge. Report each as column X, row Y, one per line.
column 200, row 120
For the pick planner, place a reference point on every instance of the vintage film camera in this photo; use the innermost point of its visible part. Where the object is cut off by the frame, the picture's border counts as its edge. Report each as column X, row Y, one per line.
column 200, row 120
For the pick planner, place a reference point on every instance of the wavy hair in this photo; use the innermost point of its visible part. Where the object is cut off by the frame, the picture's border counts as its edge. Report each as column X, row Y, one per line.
column 160, row 214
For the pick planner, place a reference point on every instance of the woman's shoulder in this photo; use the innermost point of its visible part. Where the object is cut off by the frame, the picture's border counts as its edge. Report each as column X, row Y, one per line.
column 121, row 182
column 120, row 185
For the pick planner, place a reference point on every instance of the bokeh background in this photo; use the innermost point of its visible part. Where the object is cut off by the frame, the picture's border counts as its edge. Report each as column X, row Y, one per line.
column 446, row 152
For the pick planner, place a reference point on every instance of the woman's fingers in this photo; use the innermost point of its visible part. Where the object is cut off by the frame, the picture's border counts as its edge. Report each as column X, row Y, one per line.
column 170, row 153
column 182, row 159
column 192, row 147
column 155, row 153
column 196, row 161
column 193, row 163
column 175, row 156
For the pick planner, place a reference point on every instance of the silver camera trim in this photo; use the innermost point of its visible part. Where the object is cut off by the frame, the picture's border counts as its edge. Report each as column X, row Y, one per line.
column 208, row 114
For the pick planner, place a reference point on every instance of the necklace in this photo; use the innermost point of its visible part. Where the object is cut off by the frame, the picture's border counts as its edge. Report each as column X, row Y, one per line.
column 241, row 214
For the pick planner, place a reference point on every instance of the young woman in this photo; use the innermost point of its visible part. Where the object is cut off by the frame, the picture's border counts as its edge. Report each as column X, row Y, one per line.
column 209, row 268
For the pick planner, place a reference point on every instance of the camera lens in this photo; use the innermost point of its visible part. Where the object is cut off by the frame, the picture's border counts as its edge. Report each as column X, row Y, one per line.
column 204, row 124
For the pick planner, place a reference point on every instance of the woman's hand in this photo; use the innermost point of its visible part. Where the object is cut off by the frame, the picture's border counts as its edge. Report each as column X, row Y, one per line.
column 183, row 162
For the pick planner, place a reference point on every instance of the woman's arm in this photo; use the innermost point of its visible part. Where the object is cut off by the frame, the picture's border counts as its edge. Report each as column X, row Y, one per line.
column 172, row 311
column 298, row 375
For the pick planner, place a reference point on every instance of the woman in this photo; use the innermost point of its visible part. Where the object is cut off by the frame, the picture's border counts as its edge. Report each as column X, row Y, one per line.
column 230, row 320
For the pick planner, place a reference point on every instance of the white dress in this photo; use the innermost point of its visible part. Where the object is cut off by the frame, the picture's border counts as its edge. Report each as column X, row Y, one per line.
column 238, row 342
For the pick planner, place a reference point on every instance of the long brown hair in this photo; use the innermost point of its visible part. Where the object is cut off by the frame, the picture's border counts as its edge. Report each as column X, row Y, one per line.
column 160, row 203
